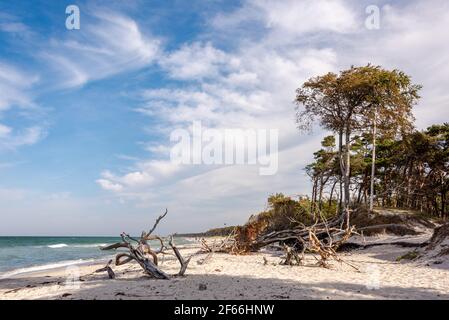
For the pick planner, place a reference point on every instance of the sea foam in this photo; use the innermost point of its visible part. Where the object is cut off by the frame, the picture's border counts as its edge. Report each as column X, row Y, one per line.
column 56, row 246
column 44, row 267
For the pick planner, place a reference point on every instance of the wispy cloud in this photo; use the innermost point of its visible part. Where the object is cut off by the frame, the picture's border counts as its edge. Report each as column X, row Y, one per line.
column 14, row 85
column 15, row 88
column 10, row 139
column 11, row 24
column 287, row 21
column 13, row 27
column 107, row 43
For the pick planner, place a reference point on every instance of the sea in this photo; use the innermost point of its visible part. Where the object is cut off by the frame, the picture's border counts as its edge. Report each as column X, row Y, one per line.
column 20, row 255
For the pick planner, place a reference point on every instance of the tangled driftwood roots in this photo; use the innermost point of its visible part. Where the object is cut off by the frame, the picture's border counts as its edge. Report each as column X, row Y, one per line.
column 140, row 251
column 225, row 245
column 321, row 239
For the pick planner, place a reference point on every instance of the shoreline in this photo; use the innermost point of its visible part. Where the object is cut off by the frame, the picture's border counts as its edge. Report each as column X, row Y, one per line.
column 49, row 267
column 253, row 276
column 59, row 266
column 64, row 263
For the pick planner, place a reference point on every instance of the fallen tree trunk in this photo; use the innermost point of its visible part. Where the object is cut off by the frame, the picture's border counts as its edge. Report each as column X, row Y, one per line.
column 251, row 237
column 323, row 238
column 330, row 230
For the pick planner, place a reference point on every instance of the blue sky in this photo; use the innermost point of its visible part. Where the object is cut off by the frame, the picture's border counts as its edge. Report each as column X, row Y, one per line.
column 86, row 115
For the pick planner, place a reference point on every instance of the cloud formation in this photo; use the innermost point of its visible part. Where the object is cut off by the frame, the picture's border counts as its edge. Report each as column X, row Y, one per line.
column 252, row 85
column 15, row 86
column 107, row 43
column 239, row 71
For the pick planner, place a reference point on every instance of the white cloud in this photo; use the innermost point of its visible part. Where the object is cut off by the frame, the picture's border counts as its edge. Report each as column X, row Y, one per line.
column 158, row 167
column 195, row 61
column 108, row 185
column 9, row 139
column 262, row 99
column 14, row 85
column 137, row 178
column 4, row 131
column 411, row 38
column 13, row 27
column 147, row 174
column 10, row 24
column 289, row 19
column 299, row 17
column 108, row 43
column 159, row 149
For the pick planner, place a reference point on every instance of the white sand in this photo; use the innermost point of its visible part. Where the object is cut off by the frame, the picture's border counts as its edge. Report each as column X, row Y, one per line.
column 246, row 277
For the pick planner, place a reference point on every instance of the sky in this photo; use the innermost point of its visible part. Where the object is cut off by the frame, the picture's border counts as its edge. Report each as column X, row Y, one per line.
column 86, row 114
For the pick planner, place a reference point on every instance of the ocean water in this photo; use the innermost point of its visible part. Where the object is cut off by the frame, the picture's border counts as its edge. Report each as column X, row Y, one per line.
column 27, row 254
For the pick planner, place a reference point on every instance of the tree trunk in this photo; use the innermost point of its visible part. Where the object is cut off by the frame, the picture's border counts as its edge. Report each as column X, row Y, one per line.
column 347, row 168
column 314, row 192
column 322, row 185
column 332, row 193
column 340, row 156
column 373, row 164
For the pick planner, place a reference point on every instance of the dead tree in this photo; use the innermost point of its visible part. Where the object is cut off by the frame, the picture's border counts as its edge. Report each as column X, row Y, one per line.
column 300, row 235
column 322, row 239
column 140, row 251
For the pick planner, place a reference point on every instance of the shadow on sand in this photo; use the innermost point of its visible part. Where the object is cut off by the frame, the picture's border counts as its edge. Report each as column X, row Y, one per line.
column 213, row 286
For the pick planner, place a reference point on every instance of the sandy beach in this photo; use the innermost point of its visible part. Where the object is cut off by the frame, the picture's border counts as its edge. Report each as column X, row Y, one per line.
column 224, row 276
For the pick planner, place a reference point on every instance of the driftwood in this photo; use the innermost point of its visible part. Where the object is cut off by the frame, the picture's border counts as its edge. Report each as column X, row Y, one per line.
column 321, row 239
column 108, row 269
column 225, row 245
column 298, row 237
column 291, row 257
column 301, row 235
column 140, row 251
column 184, row 263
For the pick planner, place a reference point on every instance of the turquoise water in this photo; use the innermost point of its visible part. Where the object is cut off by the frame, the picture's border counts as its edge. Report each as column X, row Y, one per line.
column 26, row 254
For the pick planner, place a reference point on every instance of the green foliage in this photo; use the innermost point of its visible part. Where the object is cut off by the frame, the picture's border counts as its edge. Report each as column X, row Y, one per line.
column 284, row 212
column 412, row 171
column 349, row 100
column 219, row 232
column 412, row 255
column 359, row 100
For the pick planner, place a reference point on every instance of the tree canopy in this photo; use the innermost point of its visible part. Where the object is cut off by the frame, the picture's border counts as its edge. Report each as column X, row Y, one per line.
column 357, row 101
